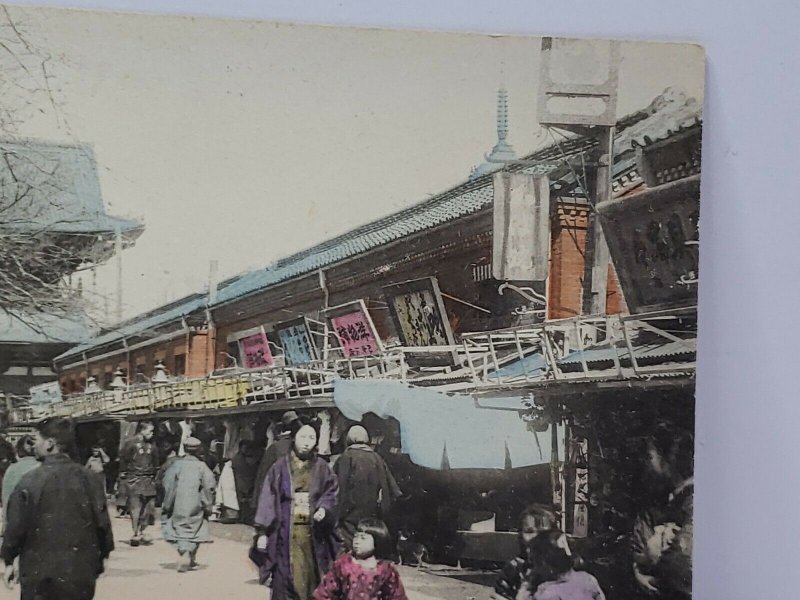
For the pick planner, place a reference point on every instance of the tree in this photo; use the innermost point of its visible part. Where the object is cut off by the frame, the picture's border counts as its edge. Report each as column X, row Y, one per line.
column 52, row 218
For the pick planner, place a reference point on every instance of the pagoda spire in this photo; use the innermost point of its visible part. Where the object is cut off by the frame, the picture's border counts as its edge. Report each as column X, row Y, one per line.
column 502, row 150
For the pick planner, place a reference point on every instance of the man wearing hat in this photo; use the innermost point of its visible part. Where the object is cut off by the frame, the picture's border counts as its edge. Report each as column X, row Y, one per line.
column 280, row 447
column 188, row 501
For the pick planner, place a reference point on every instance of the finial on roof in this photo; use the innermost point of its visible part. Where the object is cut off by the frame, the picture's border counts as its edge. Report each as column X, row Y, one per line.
column 502, row 151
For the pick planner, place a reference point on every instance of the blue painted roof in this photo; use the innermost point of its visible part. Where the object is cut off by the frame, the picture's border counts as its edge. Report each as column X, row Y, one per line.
column 53, row 187
column 41, row 328
column 140, row 325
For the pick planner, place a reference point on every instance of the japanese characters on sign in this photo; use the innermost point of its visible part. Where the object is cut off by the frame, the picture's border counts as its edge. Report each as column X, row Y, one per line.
column 354, row 330
column 255, row 351
column 418, row 313
column 652, row 237
column 295, row 339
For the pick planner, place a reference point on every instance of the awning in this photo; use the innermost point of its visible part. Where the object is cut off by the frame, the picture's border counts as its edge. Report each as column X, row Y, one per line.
column 474, row 433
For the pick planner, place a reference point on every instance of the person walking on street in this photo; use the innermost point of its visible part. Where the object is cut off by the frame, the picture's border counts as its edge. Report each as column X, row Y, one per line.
column 97, row 463
column 188, row 502
column 295, row 538
column 26, row 461
column 138, row 465
column 58, row 522
column 367, row 488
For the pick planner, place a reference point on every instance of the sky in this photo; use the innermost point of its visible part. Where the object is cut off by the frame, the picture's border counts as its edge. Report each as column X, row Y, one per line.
column 245, row 141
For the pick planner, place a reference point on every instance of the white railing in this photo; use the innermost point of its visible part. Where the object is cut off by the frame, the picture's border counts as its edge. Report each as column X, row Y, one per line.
column 579, row 349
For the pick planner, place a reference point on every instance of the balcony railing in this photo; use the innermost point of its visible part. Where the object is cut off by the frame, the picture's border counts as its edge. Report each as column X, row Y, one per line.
column 580, row 349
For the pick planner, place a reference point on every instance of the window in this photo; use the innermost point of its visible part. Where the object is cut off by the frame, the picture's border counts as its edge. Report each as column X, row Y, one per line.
column 180, row 365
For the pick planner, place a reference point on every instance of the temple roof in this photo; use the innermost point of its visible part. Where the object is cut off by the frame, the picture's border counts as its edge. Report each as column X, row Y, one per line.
column 40, row 328
column 53, row 187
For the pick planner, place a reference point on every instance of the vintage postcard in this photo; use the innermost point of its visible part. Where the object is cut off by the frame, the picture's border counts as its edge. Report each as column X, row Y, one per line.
column 381, row 314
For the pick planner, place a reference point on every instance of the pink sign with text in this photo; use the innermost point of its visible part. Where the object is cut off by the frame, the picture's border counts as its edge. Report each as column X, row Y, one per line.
column 356, row 334
column 255, row 351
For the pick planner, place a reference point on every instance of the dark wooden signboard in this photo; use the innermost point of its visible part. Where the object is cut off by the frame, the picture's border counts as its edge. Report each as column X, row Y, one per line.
column 419, row 317
column 653, row 240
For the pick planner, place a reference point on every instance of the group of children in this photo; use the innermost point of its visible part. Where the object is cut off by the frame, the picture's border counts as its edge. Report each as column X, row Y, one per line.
column 545, row 568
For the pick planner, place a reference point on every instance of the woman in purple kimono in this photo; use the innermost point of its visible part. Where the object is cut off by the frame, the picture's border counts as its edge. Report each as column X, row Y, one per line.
column 295, row 539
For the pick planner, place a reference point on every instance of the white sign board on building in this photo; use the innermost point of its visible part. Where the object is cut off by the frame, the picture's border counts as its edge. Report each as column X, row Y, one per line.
column 46, row 393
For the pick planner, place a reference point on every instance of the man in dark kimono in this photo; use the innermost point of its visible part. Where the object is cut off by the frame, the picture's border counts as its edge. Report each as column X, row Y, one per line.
column 367, row 488
column 188, row 499
column 138, row 465
column 295, row 538
column 245, row 469
column 57, row 523
column 277, row 449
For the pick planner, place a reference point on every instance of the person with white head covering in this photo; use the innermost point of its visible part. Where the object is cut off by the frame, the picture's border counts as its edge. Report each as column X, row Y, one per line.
column 367, row 488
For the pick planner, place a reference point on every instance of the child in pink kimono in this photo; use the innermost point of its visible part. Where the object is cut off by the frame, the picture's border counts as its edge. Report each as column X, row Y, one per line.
column 552, row 576
column 364, row 574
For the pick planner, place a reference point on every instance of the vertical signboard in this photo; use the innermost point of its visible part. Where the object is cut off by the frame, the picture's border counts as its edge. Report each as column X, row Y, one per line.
column 354, row 329
column 580, row 520
column 521, row 231
column 255, row 352
column 296, row 341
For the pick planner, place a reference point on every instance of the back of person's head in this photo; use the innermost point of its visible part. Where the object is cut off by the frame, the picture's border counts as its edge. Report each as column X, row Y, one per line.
column 549, row 557
column 144, row 425
column 62, row 431
column 674, row 446
column 542, row 516
column 380, row 534
column 25, row 446
column 357, row 434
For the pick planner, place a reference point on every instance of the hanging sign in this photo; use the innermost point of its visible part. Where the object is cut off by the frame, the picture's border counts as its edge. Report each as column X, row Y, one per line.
column 354, row 329
column 420, row 319
column 521, row 227
column 296, row 341
column 418, row 313
column 652, row 237
column 255, row 352
column 578, row 82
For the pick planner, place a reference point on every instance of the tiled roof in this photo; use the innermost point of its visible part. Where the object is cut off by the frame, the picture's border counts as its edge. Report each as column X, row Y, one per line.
column 53, row 187
column 140, row 325
column 42, row 328
column 668, row 113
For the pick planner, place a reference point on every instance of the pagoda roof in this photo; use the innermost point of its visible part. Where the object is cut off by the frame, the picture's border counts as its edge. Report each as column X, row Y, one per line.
column 54, row 188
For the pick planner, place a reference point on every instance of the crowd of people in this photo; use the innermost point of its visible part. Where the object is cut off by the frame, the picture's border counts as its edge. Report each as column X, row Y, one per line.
column 319, row 524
